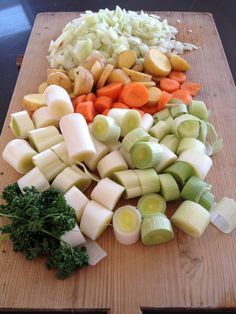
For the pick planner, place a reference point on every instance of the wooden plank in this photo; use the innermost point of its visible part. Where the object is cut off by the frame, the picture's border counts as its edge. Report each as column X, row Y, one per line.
column 187, row 273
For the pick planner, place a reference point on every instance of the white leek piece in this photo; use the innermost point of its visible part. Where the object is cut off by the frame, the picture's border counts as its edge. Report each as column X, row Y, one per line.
column 126, row 157
column 151, row 204
column 199, row 161
column 43, row 117
column 159, row 130
column 34, row 178
column 156, row 230
column 171, row 141
column 62, row 153
column 71, row 176
column 107, row 193
column 114, row 146
column 94, row 251
column 105, row 129
column 191, row 143
column 168, row 158
column 58, row 101
column 73, row 237
column 95, row 219
column 127, row 224
column 186, row 125
column 147, row 121
column 21, row 124
column 130, row 181
column 169, row 123
column 76, row 199
column 146, row 155
column 191, row 218
column 149, row 180
column 44, row 138
column 102, row 150
column 181, row 171
column 178, row 110
column 111, row 163
column 194, row 189
column 127, row 119
column 169, row 187
column 77, row 137
column 162, row 115
column 133, row 137
column 198, row 108
column 223, row 215
column 18, row 153
column 49, row 164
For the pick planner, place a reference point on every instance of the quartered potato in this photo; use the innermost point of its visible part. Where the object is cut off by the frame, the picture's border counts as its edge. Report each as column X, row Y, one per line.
column 154, row 96
column 96, row 71
column 156, row 63
column 42, row 87
column 105, row 74
column 119, row 75
column 32, row 102
column 126, row 59
column 137, row 76
column 92, row 58
column 178, row 63
column 49, row 71
column 60, row 79
column 83, row 81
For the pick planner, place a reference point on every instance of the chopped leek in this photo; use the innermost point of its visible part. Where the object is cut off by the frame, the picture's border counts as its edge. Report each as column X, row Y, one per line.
column 207, row 200
column 147, row 121
column 159, row 130
column 169, row 187
column 191, row 143
column 21, row 124
column 74, row 237
column 162, row 115
column 194, row 189
column 42, row 117
column 146, row 155
column 171, row 141
column 151, row 204
column 181, row 171
column 198, row 108
column 149, row 180
column 76, row 199
column 178, row 110
column 62, row 153
column 133, row 137
column 223, row 215
column 105, row 129
column 126, row 157
column 34, row 178
column 130, row 181
column 111, row 163
column 186, row 125
column 168, row 158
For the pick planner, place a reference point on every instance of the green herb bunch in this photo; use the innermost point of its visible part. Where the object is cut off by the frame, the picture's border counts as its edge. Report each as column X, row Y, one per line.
column 38, row 220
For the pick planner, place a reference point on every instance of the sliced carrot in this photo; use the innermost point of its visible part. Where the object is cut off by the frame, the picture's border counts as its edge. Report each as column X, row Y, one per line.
column 103, row 102
column 169, row 85
column 86, row 108
column 111, row 90
column 77, row 100
column 105, row 112
column 164, row 99
column 148, row 109
column 91, row 97
column 191, row 87
column 182, row 95
column 140, row 111
column 178, row 76
column 119, row 105
column 134, row 95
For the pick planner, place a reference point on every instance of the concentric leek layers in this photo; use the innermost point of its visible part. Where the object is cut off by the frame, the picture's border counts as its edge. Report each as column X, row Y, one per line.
column 186, row 125
column 149, row 180
column 156, row 230
column 21, row 124
column 105, row 129
column 34, row 178
column 111, row 163
column 133, row 137
column 181, row 171
column 151, row 204
column 146, row 155
column 169, row 187
column 191, row 218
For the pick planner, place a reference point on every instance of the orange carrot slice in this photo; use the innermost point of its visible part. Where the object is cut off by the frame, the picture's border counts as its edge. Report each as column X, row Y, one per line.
column 182, row 95
column 169, row 85
column 119, row 105
column 178, row 76
column 102, row 103
column 191, row 87
column 164, row 99
column 111, row 90
column 86, row 108
column 134, row 95
column 91, row 97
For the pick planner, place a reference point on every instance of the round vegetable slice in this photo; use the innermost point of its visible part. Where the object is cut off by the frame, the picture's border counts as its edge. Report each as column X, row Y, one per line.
column 151, row 204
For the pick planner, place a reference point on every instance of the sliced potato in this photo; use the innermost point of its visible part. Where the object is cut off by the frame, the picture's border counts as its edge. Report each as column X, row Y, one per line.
column 157, row 78
column 137, row 76
column 32, row 102
column 179, row 64
column 105, row 74
column 126, row 59
column 138, row 67
column 154, row 96
column 49, row 71
column 92, row 58
column 71, row 74
column 148, row 84
column 83, row 81
column 119, row 75
column 60, row 79
column 42, row 87
column 96, row 71
column 156, row 63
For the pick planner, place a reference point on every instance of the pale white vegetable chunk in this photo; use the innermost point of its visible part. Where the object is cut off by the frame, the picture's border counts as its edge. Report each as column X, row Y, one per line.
column 111, row 163
column 94, row 251
column 61, row 151
column 147, row 121
column 168, row 158
column 21, row 124
column 43, row 117
column 34, row 178
column 76, row 199
column 74, row 237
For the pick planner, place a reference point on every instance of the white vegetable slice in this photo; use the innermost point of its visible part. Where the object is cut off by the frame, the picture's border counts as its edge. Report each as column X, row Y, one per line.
column 94, row 251
column 159, row 130
column 34, row 178
column 126, row 224
column 186, row 125
column 169, row 187
column 127, row 157
column 107, row 193
column 111, row 163
column 21, row 124
column 130, row 181
column 114, row 146
column 171, row 141
column 73, row 237
column 43, row 117
column 146, row 155
column 168, row 158
column 105, row 129
column 133, row 137
column 147, row 121
column 149, row 180
column 191, row 143
column 76, row 199
column 223, row 215
column 18, row 153
column 77, row 137
column 191, row 218
column 58, row 101
column 95, row 219
column 151, row 204
column 62, row 153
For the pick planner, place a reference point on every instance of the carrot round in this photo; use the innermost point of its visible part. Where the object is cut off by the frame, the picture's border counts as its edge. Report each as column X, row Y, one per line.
column 86, row 108
column 77, row 100
column 148, row 109
column 105, row 112
column 91, row 97
column 182, row 95
column 134, row 95
column 102, row 102
column 178, row 76
column 111, row 90
column 169, row 85
column 191, row 87
column 164, row 99
column 119, row 105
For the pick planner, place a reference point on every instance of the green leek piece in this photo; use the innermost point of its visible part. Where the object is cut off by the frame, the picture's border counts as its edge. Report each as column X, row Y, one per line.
column 133, row 137
column 151, row 204
column 156, row 230
column 161, row 115
column 174, row 101
column 105, row 129
column 169, row 187
column 178, row 110
column 202, row 132
column 169, row 123
column 207, row 200
column 181, row 171
column 198, row 108
column 149, row 180
column 146, row 155
column 171, row 141
column 186, row 125
column 130, row 181
column 168, row 159
column 191, row 143
column 194, row 189
column 159, row 130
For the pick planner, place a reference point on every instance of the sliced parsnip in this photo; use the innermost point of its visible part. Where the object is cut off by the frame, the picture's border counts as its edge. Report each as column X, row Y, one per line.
column 119, row 75
column 42, row 117
column 34, row 178
column 154, row 96
column 42, row 87
column 137, row 76
column 126, row 58
column 138, row 67
column 60, row 79
column 105, row 74
column 32, row 102
column 96, row 71
column 156, row 63
column 21, row 124
column 76, row 199
column 178, row 63
column 83, row 81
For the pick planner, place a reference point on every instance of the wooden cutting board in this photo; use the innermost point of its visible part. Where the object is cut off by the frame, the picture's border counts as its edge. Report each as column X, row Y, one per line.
column 185, row 273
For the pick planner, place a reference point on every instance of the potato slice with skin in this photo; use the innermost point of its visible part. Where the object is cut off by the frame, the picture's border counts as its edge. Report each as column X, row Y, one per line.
column 154, row 96
column 32, row 102
column 71, row 74
column 148, row 84
column 138, row 67
column 42, row 87
column 60, row 79
column 119, row 75
column 137, row 76
column 105, row 74
column 179, row 64
column 96, row 71
column 49, row 71
column 126, row 59
column 83, row 81
column 92, row 58
column 156, row 63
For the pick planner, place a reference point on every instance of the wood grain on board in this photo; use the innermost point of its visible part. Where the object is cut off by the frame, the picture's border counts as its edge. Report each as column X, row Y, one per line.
column 186, row 272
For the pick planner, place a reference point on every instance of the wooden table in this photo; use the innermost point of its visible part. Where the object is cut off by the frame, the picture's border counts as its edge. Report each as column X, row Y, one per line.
column 187, row 272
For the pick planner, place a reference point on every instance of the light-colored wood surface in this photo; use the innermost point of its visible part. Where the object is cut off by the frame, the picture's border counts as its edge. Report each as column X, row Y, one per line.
column 186, row 272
